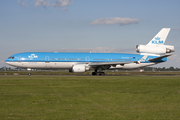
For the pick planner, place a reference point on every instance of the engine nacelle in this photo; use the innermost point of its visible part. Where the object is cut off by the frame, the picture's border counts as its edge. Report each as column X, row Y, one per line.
column 79, row 68
column 154, row 49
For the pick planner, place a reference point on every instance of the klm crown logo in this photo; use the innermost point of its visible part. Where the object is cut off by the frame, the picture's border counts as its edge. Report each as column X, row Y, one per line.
column 157, row 41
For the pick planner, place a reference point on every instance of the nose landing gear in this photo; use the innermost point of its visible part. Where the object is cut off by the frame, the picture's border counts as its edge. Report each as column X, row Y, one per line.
column 29, row 74
column 29, row 69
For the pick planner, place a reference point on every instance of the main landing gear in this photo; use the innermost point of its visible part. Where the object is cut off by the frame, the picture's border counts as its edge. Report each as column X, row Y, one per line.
column 98, row 73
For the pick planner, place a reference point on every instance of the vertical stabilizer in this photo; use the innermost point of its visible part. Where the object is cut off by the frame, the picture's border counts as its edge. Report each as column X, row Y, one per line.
column 160, row 38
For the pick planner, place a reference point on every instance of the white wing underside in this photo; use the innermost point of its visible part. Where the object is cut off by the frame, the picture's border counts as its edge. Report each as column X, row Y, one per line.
column 94, row 64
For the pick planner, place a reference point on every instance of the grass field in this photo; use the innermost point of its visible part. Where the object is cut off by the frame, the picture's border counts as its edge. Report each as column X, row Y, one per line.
column 89, row 97
column 107, row 73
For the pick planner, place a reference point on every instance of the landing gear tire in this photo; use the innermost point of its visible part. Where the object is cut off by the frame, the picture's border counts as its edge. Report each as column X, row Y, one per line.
column 94, row 73
column 29, row 74
column 98, row 73
column 102, row 73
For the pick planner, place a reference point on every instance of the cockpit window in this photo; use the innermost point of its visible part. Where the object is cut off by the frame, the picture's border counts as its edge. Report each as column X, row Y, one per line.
column 11, row 57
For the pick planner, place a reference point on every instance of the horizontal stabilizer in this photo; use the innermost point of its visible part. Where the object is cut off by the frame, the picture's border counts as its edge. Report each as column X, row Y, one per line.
column 159, row 58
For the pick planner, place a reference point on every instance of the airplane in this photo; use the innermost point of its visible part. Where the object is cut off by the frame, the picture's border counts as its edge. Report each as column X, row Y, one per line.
column 154, row 52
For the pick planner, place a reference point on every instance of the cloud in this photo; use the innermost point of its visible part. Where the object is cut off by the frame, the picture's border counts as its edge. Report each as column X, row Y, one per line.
column 116, row 20
column 45, row 3
column 2, row 61
column 22, row 3
column 41, row 2
column 62, row 3
column 176, row 29
column 175, row 57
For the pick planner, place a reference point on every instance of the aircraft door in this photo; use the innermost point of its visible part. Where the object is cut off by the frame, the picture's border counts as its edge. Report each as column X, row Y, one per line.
column 87, row 59
column 47, row 59
column 19, row 58
column 47, row 64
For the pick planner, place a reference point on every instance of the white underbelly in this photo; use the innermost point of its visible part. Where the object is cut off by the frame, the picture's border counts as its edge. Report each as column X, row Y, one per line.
column 132, row 65
column 66, row 65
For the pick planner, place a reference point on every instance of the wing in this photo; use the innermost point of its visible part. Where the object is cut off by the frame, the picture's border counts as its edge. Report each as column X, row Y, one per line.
column 95, row 64
column 159, row 58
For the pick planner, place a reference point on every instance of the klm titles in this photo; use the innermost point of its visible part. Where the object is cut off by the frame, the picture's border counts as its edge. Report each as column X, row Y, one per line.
column 157, row 41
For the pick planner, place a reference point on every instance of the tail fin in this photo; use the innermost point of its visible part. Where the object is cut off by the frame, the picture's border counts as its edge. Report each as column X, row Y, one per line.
column 160, row 38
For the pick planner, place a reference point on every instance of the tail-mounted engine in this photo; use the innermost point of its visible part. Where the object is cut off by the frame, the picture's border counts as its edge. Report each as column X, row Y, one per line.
column 161, row 49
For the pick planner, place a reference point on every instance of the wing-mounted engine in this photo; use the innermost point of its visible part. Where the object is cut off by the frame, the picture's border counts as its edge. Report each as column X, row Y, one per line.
column 159, row 49
column 79, row 68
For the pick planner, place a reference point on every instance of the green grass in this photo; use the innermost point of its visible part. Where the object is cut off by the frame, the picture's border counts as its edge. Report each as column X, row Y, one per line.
column 89, row 97
column 89, row 73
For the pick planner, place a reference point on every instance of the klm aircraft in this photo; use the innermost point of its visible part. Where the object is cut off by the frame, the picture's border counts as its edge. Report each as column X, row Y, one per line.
column 153, row 53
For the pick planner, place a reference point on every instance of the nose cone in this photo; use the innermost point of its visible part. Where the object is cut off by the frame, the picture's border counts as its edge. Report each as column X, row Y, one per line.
column 9, row 60
column 6, row 61
column 11, row 63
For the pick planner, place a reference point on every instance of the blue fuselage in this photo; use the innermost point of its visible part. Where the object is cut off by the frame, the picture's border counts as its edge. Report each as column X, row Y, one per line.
column 55, row 60
column 77, row 57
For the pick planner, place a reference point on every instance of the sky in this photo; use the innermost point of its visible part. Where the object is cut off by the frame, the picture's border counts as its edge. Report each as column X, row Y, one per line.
column 86, row 25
